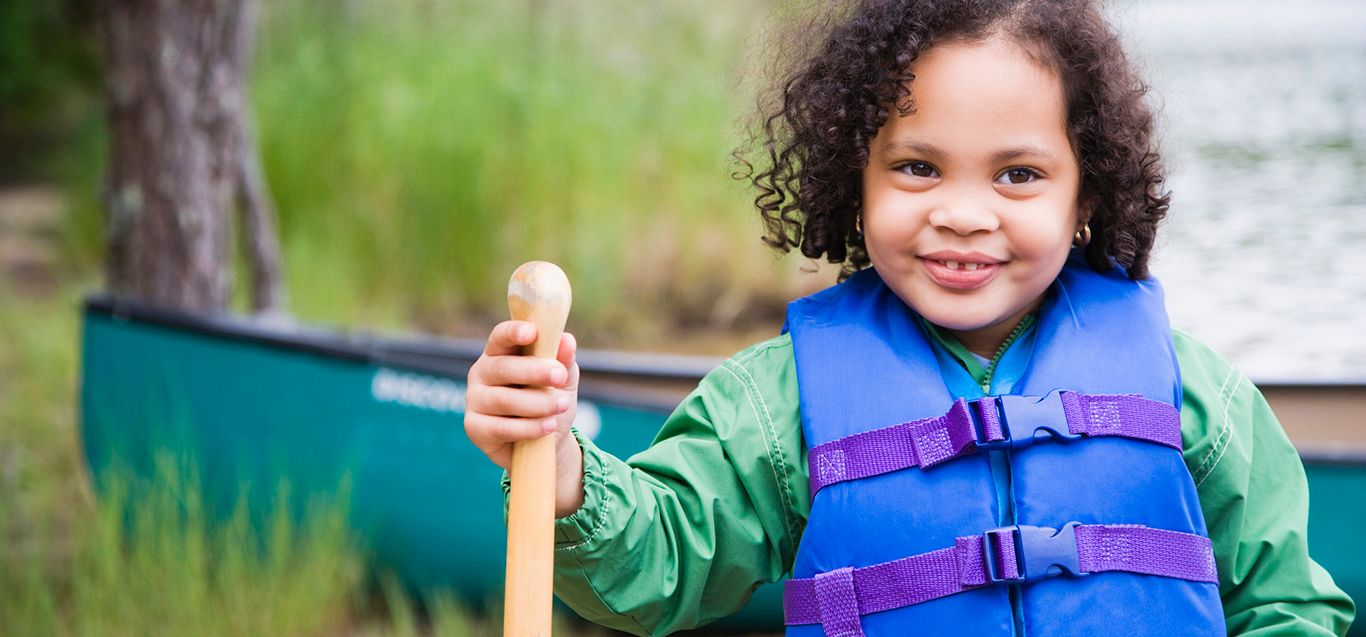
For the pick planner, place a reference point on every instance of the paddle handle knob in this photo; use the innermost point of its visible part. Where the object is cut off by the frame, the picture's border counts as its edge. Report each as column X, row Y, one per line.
column 538, row 292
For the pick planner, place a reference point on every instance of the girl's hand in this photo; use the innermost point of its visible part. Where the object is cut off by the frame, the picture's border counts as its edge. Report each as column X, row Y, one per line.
column 511, row 397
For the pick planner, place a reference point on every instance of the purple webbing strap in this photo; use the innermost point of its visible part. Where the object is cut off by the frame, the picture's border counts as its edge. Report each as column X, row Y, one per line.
column 962, row 567
column 918, row 443
column 930, row 441
column 1123, row 415
column 885, row 586
column 837, row 596
column 1140, row 549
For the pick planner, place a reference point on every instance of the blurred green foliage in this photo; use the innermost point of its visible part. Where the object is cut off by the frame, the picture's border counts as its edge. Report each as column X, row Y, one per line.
column 418, row 151
column 151, row 561
column 48, row 79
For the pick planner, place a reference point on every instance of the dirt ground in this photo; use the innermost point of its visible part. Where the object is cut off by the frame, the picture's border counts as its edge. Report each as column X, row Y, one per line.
column 30, row 224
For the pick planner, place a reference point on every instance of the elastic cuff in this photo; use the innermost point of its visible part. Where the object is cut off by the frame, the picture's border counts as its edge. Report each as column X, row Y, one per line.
column 578, row 527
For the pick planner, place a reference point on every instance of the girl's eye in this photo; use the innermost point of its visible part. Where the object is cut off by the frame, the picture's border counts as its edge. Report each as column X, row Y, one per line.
column 1017, row 176
column 919, row 169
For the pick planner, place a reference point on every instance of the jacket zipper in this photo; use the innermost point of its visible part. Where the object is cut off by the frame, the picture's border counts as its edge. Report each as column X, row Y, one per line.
column 1000, row 351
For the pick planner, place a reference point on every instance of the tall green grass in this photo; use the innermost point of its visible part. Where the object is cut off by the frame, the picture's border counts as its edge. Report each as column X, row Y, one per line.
column 419, row 151
column 152, row 560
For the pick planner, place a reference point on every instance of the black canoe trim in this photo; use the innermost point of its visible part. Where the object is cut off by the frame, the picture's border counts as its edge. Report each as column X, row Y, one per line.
column 1331, row 455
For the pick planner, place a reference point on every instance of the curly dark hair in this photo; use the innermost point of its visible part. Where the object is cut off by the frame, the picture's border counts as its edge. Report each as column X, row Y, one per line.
column 814, row 135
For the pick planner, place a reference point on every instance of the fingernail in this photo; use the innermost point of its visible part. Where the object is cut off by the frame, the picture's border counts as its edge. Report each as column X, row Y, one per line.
column 523, row 333
column 563, row 403
column 558, row 376
column 549, row 425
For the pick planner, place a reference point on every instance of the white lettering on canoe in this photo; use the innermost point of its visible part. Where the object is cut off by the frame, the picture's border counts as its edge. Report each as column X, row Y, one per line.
column 418, row 390
column 441, row 394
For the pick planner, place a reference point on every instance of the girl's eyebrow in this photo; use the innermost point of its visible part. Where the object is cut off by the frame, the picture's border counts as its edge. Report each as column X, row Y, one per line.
column 930, row 151
column 912, row 147
column 1009, row 154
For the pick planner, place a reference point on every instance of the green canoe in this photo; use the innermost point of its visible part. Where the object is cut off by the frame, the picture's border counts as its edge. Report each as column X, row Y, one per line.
column 254, row 403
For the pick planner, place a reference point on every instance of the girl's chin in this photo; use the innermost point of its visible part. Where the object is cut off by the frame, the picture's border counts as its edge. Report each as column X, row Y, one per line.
column 959, row 327
column 965, row 319
column 946, row 317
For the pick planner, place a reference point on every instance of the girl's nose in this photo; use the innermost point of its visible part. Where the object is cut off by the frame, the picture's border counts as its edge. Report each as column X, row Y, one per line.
column 964, row 216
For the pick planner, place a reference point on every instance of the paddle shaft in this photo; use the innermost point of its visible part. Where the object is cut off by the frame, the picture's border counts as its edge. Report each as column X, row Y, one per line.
column 538, row 292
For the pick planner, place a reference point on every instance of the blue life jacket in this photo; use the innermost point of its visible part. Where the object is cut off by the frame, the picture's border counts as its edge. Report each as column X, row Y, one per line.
column 879, row 537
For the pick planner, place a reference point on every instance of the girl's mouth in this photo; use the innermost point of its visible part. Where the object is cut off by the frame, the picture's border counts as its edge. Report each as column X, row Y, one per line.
column 960, row 275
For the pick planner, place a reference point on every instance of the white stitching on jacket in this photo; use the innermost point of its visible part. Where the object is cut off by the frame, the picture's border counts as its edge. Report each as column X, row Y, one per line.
column 761, row 412
column 1225, row 432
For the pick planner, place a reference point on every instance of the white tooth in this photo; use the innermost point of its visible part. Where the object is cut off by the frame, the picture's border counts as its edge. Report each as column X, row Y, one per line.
column 971, row 267
column 953, row 265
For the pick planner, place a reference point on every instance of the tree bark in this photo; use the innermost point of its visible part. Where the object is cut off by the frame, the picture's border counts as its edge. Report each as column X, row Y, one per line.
column 177, row 116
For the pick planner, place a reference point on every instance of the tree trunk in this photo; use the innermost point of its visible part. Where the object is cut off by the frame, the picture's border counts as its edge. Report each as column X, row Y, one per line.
column 178, row 140
column 262, row 249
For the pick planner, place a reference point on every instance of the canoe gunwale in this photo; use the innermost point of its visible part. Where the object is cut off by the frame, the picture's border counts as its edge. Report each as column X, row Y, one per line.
column 604, row 372
column 1332, row 455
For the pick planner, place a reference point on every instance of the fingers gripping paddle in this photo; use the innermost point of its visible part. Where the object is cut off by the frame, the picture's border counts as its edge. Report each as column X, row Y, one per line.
column 539, row 293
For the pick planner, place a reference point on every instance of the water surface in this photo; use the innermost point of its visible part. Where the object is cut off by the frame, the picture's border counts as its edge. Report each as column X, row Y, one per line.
column 1264, row 132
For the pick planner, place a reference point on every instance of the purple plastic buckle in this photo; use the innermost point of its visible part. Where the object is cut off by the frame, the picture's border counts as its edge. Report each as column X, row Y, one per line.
column 1038, row 552
column 1021, row 419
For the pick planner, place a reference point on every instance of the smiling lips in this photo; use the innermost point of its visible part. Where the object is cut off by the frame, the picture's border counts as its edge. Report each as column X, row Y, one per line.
column 961, row 270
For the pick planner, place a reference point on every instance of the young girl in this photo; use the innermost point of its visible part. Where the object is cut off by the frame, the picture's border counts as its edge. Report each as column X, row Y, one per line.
column 990, row 431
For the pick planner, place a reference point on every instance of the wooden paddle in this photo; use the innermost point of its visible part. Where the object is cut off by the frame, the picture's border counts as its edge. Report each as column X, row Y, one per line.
column 538, row 292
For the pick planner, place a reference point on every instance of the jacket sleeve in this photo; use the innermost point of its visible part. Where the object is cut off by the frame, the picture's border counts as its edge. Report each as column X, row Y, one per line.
column 1255, row 499
column 683, row 532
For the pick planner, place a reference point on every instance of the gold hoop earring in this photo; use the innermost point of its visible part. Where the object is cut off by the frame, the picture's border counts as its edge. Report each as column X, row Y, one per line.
column 858, row 225
column 1083, row 236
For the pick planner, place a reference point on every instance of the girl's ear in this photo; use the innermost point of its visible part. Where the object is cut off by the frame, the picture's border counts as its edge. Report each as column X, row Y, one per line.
column 1086, row 206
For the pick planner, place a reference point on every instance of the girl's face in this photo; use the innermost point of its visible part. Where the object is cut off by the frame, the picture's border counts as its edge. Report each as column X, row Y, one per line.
column 971, row 201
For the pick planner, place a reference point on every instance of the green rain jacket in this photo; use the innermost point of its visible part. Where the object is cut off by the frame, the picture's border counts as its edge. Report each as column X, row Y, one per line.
column 683, row 532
